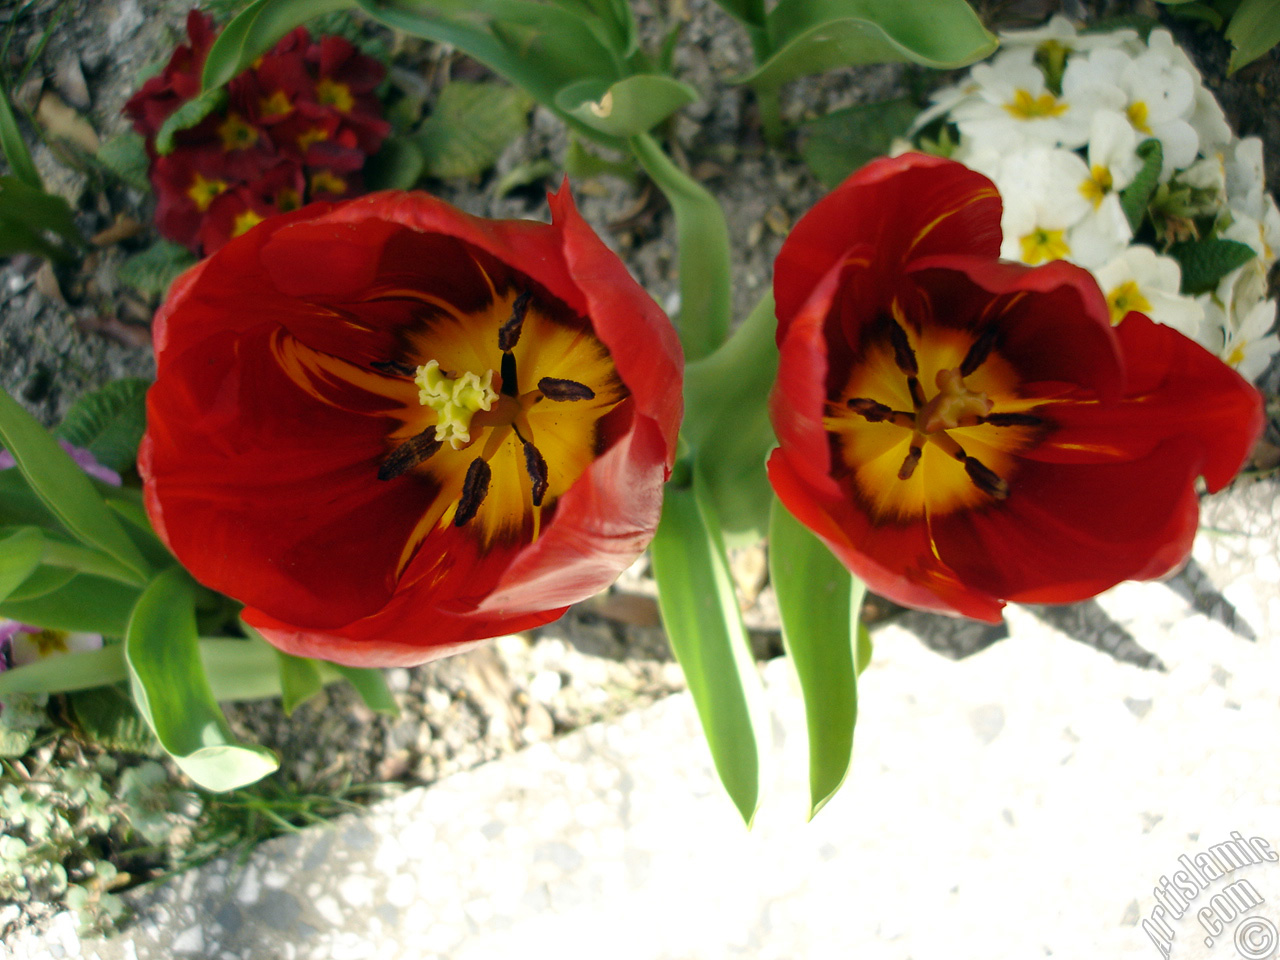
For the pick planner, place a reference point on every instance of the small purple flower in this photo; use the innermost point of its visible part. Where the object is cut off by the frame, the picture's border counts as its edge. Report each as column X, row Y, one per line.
column 21, row 643
column 83, row 458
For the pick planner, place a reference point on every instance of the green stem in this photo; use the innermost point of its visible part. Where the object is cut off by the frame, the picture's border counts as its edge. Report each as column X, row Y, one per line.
column 769, row 106
column 702, row 239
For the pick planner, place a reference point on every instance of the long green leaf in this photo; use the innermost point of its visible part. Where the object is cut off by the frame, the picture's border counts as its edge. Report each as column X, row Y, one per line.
column 14, row 147
column 32, row 207
column 173, row 694
column 19, row 556
column 629, row 107
column 1254, row 29
column 810, row 36
column 257, row 29
column 371, row 685
column 44, row 579
column 240, row 669
column 819, row 602
column 83, row 604
column 300, row 680
column 704, row 625
column 64, row 488
column 61, row 673
column 750, row 12
column 702, row 238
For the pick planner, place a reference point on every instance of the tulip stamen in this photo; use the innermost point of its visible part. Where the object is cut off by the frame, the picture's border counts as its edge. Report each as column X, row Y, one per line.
column 536, row 466
column 981, row 349
column 509, row 332
column 983, row 477
column 1013, row 420
column 409, row 454
column 914, row 453
column 875, row 412
column 554, row 388
column 510, row 382
column 475, row 487
column 394, row 368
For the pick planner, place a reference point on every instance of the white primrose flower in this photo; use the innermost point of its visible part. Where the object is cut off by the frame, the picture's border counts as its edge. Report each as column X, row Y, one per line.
column 1249, row 345
column 1142, row 280
column 1246, row 179
column 1013, row 107
column 1062, row 31
column 1207, row 118
column 1157, row 95
column 1040, row 188
column 1263, row 236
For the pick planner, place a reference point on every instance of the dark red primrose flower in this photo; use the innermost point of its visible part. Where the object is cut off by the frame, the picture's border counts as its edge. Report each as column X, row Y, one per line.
column 391, row 428
column 963, row 431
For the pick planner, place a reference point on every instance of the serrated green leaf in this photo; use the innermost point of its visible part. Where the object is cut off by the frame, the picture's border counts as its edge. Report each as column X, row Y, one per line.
column 83, row 604
column 628, row 107
column 20, row 554
column 523, row 174
column 1135, row 197
column 1205, row 262
column 109, row 422
column 173, row 694
column 254, row 31
column 33, row 208
column 472, row 123
column 64, row 488
column 704, row 625
column 107, row 716
column 152, row 270
column 819, row 603
column 15, row 148
column 126, row 156
column 78, row 670
column 810, row 36
column 299, row 680
column 187, row 116
column 1254, row 29
column 397, row 166
column 836, row 145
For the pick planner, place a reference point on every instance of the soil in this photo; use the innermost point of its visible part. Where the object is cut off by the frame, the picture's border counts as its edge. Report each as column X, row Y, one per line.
column 67, row 330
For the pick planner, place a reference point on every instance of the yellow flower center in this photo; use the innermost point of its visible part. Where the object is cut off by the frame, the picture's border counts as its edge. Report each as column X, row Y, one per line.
column 1096, row 187
column 48, row 642
column 287, row 199
column 1137, row 113
column 311, row 135
column 202, row 191
column 276, row 105
column 325, row 181
column 910, row 455
column 336, row 95
column 236, row 134
column 454, row 401
column 1041, row 246
column 1024, row 106
column 1237, row 356
column 245, row 221
column 1127, row 296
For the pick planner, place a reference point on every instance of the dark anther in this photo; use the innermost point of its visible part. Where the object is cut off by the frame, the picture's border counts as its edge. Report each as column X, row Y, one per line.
column 537, row 467
column 475, row 487
column 1013, row 420
column 910, row 463
column 409, row 454
column 553, row 388
column 394, row 367
column 986, row 479
column 510, row 388
column 509, row 332
column 980, row 350
column 870, row 409
column 903, row 355
column 917, row 392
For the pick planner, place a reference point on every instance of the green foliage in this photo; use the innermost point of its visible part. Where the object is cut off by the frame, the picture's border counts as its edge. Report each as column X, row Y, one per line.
column 105, row 715
column 1254, row 29
column 704, row 625
column 126, row 157
column 1205, row 262
column 836, row 145
column 152, row 270
column 14, row 147
column 626, row 108
column 819, row 601
column 187, row 116
column 109, row 422
column 255, row 31
column 28, row 216
column 1135, row 197
column 470, row 125
column 397, row 166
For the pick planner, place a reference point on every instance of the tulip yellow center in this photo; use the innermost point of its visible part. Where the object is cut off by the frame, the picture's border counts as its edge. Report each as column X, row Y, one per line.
column 911, row 454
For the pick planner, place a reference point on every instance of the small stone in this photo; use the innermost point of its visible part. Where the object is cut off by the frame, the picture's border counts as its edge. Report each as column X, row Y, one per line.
column 538, row 724
column 545, row 685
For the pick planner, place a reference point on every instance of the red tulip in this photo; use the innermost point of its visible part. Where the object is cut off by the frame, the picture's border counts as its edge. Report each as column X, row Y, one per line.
column 391, row 428
column 963, row 431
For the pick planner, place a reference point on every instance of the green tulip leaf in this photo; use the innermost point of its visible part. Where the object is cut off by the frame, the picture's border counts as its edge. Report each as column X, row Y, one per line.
column 704, row 625
column 14, row 147
column 1254, row 29
column 172, row 691
column 81, row 604
column 30, row 207
column 65, row 489
column 300, row 680
column 109, row 422
column 750, row 12
column 819, row 601
column 702, row 239
column 371, row 685
column 810, row 36
column 20, row 554
column 62, row 673
column 626, row 108
column 469, row 127
column 839, row 143
column 398, row 165
column 43, row 580
column 254, row 31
